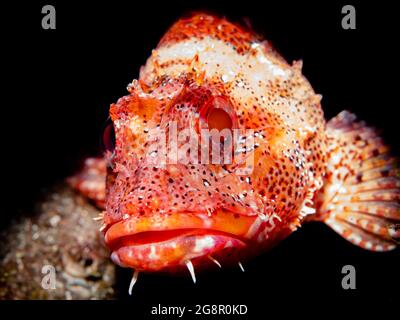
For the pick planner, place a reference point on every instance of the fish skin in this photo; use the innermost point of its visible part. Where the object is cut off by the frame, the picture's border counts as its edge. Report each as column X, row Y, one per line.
column 205, row 60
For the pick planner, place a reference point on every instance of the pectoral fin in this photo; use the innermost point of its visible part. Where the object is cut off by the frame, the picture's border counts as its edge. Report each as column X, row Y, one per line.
column 360, row 198
column 91, row 180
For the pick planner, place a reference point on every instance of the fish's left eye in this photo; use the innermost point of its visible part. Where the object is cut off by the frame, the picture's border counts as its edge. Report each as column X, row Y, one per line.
column 108, row 137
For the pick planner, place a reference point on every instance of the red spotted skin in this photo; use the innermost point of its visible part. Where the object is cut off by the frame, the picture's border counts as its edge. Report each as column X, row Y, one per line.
column 201, row 26
column 159, row 217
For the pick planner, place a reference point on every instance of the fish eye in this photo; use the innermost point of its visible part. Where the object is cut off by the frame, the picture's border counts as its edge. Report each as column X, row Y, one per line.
column 219, row 119
column 218, row 114
column 108, row 137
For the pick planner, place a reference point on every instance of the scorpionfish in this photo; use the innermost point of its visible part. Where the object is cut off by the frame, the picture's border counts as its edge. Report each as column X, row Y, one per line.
column 287, row 164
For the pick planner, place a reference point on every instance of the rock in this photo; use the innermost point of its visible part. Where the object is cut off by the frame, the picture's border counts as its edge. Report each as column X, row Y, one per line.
column 62, row 236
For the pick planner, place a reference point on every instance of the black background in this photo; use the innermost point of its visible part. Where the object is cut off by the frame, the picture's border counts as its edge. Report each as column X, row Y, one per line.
column 59, row 83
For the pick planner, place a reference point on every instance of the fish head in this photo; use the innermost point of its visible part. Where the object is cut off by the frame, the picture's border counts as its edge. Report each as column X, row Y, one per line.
column 202, row 168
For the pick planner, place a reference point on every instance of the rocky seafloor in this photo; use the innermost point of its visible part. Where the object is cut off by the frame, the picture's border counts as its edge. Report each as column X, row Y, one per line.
column 60, row 236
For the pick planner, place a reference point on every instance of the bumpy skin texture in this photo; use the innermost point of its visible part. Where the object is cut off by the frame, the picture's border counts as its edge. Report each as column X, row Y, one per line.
column 158, row 217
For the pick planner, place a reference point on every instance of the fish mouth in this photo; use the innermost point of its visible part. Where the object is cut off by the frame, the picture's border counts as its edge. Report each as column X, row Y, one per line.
column 167, row 243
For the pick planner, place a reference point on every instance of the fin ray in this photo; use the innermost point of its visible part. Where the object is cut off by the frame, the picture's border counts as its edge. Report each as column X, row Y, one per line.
column 360, row 237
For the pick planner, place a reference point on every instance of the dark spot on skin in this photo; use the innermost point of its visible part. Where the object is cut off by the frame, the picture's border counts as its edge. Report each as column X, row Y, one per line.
column 385, row 173
column 88, row 262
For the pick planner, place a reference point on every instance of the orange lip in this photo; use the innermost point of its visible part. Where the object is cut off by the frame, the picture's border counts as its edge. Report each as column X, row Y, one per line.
column 156, row 242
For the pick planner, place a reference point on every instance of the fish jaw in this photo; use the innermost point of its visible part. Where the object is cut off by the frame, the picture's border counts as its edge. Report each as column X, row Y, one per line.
column 155, row 244
column 172, row 255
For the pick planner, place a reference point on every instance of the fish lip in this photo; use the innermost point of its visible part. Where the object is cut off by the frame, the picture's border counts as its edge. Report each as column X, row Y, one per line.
column 161, row 257
column 184, row 230
column 161, row 237
column 226, row 222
